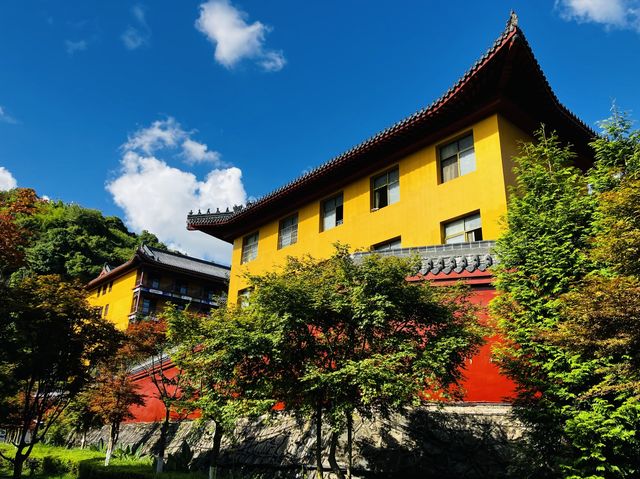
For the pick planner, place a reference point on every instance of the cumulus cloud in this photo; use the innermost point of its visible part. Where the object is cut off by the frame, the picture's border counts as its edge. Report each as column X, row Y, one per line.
column 5, row 117
column 234, row 39
column 157, row 196
column 139, row 35
column 610, row 13
column 74, row 47
column 7, row 181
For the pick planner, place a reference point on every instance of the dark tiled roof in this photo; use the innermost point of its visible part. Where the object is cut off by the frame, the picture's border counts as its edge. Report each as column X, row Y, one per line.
column 184, row 262
column 177, row 261
column 446, row 259
column 216, row 223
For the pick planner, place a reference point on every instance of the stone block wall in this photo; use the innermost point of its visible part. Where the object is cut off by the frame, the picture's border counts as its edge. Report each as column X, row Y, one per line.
column 461, row 441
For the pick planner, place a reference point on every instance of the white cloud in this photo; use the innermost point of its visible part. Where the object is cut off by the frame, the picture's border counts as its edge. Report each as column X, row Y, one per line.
column 7, row 181
column 161, row 134
column 6, row 118
column 137, row 36
column 235, row 40
column 157, row 196
column 610, row 13
column 74, row 47
column 195, row 152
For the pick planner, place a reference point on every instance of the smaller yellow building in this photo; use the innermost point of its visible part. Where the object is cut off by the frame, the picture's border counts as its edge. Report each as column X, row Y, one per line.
column 145, row 284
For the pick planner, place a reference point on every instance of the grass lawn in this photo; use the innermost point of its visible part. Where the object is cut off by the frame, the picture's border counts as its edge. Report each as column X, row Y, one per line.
column 49, row 462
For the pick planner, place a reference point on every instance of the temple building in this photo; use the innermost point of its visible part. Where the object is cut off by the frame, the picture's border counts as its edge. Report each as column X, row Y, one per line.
column 142, row 286
column 435, row 183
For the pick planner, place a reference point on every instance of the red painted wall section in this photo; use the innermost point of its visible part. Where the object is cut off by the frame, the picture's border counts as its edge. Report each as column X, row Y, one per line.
column 153, row 409
column 483, row 381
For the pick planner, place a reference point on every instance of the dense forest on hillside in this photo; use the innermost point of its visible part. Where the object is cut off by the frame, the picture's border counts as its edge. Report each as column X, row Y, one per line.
column 53, row 237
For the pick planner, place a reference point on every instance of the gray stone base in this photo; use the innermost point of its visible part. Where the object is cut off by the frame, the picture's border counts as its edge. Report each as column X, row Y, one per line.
column 461, row 441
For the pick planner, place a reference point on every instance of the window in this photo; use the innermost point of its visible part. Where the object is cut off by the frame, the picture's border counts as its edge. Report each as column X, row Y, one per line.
column 208, row 294
column 332, row 212
column 463, row 230
column 249, row 247
column 148, row 306
column 154, row 281
column 457, row 158
column 386, row 189
column 106, row 310
column 394, row 243
column 288, row 232
column 110, row 285
column 243, row 297
column 181, row 287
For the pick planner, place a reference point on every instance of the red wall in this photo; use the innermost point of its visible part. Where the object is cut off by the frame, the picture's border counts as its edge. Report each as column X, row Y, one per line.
column 483, row 381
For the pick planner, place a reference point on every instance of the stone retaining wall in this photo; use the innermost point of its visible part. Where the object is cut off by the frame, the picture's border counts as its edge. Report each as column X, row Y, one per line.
column 461, row 441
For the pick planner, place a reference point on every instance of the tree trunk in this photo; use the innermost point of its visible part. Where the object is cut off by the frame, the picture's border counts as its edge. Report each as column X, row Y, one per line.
column 162, row 444
column 83, row 441
column 215, row 451
column 349, row 443
column 113, row 438
column 18, row 462
column 332, row 455
column 319, row 440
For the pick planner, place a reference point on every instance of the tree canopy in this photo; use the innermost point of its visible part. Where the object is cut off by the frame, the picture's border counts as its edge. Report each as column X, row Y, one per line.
column 330, row 337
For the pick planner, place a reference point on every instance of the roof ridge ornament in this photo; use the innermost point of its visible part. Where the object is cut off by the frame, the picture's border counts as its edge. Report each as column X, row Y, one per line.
column 512, row 23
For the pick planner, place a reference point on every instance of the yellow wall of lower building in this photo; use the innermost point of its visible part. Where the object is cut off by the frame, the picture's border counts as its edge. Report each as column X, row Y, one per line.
column 119, row 299
column 424, row 205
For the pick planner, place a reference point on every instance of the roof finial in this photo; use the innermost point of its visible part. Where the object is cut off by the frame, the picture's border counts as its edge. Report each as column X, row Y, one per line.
column 513, row 20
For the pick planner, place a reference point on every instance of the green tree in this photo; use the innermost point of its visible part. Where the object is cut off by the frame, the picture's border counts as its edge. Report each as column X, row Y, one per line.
column 542, row 256
column 52, row 339
column 209, row 351
column 568, row 305
column 601, row 315
column 330, row 337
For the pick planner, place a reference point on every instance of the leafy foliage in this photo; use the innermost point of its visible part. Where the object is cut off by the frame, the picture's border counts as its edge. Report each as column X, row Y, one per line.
column 51, row 340
column 330, row 337
column 52, row 237
column 569, row 305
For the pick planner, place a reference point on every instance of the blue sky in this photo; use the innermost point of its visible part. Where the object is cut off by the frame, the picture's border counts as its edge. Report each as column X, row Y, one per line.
column 145, row 110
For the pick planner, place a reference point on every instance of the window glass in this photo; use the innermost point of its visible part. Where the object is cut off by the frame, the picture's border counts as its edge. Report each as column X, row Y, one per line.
column 457, row 158
column 386, row 189
column 106, row 310
column 388, row 245
column 463, row 230
column 288, row 233
column 332, row 212
column 249, row 247
column 467, row 162
column 155, row 282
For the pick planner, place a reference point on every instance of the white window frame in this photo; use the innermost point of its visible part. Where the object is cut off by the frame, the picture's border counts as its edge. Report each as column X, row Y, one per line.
column 332, row 211
column 387, row 192
column 463, row 230
column 288, row 231
column 461, row 156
